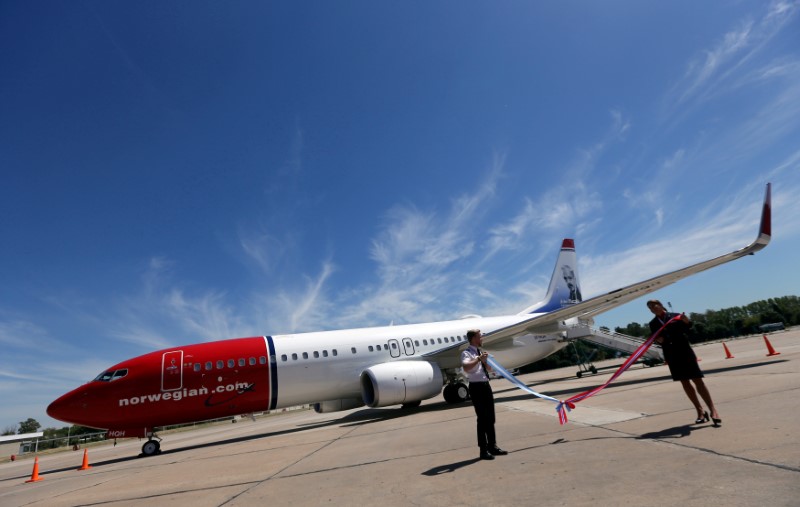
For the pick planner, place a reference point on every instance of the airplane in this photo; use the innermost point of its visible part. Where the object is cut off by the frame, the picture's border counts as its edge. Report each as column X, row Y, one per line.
column 344, row 369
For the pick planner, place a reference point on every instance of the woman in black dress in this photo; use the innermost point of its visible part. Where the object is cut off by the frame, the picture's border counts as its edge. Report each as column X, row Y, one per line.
column 681, row 360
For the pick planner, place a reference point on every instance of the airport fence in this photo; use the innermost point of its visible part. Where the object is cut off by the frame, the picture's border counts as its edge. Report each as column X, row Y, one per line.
column 74, row 441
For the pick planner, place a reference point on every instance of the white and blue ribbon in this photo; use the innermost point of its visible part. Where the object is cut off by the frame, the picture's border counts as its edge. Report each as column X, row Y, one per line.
column 514, row 380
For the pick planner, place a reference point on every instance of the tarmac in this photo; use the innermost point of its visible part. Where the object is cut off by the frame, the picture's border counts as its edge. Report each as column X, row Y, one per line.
column 633, row 444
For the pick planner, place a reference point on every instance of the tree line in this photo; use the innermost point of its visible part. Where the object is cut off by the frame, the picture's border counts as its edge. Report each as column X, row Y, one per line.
column 72, row 433
column 709, row 325
column 732, row 322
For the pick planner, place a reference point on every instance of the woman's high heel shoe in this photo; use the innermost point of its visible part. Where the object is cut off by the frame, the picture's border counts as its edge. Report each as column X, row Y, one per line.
column 704, row 418
column 717, row 422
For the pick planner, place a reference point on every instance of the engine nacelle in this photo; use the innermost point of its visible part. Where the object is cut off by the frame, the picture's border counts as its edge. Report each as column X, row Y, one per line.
column 337, row 405
column 400, row 382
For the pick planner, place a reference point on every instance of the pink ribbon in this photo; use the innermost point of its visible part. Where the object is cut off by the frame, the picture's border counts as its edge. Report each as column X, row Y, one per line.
column 567, row 405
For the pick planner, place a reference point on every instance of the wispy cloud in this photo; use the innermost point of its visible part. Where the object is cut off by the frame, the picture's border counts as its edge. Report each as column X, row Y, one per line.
column 262, row 248
column 414, row 242
column 22, row 334
column 602, row 272
column 311, row 306
column 708, row 73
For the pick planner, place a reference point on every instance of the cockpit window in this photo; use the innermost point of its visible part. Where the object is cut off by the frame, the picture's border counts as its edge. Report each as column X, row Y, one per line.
column 111, row 375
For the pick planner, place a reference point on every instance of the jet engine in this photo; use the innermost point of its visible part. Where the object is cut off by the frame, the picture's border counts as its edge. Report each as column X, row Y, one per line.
column 400, row 382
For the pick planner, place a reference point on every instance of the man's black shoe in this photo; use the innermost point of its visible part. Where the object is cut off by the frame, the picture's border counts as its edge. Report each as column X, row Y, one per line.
column 498, row 452
column 486, row 455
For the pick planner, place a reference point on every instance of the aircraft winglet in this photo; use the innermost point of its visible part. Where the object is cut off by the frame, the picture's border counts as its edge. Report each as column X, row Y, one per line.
column 766, row 214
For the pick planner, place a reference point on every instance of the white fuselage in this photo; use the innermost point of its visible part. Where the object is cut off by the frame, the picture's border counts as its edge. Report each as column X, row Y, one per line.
column 327, row 365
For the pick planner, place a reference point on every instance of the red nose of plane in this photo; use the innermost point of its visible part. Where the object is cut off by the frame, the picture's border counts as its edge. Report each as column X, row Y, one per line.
column 73, row 407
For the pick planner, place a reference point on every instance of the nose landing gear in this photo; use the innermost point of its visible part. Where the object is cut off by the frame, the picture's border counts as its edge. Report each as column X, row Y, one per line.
column 152, row 446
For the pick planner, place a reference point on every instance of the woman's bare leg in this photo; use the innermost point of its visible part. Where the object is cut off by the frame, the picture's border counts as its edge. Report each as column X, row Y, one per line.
column 692, row 394
column 703, row 391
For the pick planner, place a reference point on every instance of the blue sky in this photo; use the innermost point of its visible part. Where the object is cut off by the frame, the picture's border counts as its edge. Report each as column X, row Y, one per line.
column 176, row 172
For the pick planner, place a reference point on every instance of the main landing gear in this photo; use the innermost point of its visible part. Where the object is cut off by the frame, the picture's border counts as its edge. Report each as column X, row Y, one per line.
column 456, row 392
column 152, row 446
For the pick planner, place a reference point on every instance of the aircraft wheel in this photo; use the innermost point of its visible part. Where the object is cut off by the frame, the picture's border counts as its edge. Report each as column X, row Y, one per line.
column 579, row 374
column 594, row 370
column 151, row 447
column 449, row 393
column 461, row 392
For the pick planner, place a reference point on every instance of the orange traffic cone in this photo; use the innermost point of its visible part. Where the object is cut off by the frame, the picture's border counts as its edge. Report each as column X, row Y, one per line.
column 35, row 475
column 728, row 354
column 769, row 348
column 85, row 465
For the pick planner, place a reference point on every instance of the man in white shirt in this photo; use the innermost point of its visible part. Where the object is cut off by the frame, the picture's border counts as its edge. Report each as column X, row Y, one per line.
column 474, row 362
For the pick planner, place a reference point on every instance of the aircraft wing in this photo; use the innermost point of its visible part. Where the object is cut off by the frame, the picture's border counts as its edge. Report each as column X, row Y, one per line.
column 548, row 322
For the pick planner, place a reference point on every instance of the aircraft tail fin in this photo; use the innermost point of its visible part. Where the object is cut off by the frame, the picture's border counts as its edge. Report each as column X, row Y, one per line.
column 565, row 287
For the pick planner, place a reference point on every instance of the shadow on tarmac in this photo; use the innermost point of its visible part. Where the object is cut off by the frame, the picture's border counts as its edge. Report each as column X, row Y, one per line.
column 674, row 432
column 449, row 468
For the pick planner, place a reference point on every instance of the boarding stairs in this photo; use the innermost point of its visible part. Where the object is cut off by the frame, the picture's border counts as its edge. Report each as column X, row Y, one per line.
column 623, row 343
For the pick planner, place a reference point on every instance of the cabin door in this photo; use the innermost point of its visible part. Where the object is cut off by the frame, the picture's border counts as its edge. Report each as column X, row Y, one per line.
column 172, row 370
column 394, row 348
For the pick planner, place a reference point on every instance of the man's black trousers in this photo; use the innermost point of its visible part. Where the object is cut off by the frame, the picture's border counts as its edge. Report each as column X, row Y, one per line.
column 483, row 402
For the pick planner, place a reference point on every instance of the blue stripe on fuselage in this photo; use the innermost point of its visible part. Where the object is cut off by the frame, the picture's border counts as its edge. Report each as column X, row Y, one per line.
column 273, row 370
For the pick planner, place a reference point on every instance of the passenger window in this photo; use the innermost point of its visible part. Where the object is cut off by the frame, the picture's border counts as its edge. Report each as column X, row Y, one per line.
column 424, row 342
column 379, row 347
column 316, row 354
column 283, row 357
column 262, row 360
column 416, row 342
column 197, row 366
column 440, row 340
column 253, row 360
column 294, row 357
column 209, row 365
column 446, row 340
column 231, row 363
column 220, row 364
column 241, row 361
column 371, row 348
column 324, row 353
column 394, row 345
column 353, row 350
column 335, row 353
column 305, row 355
